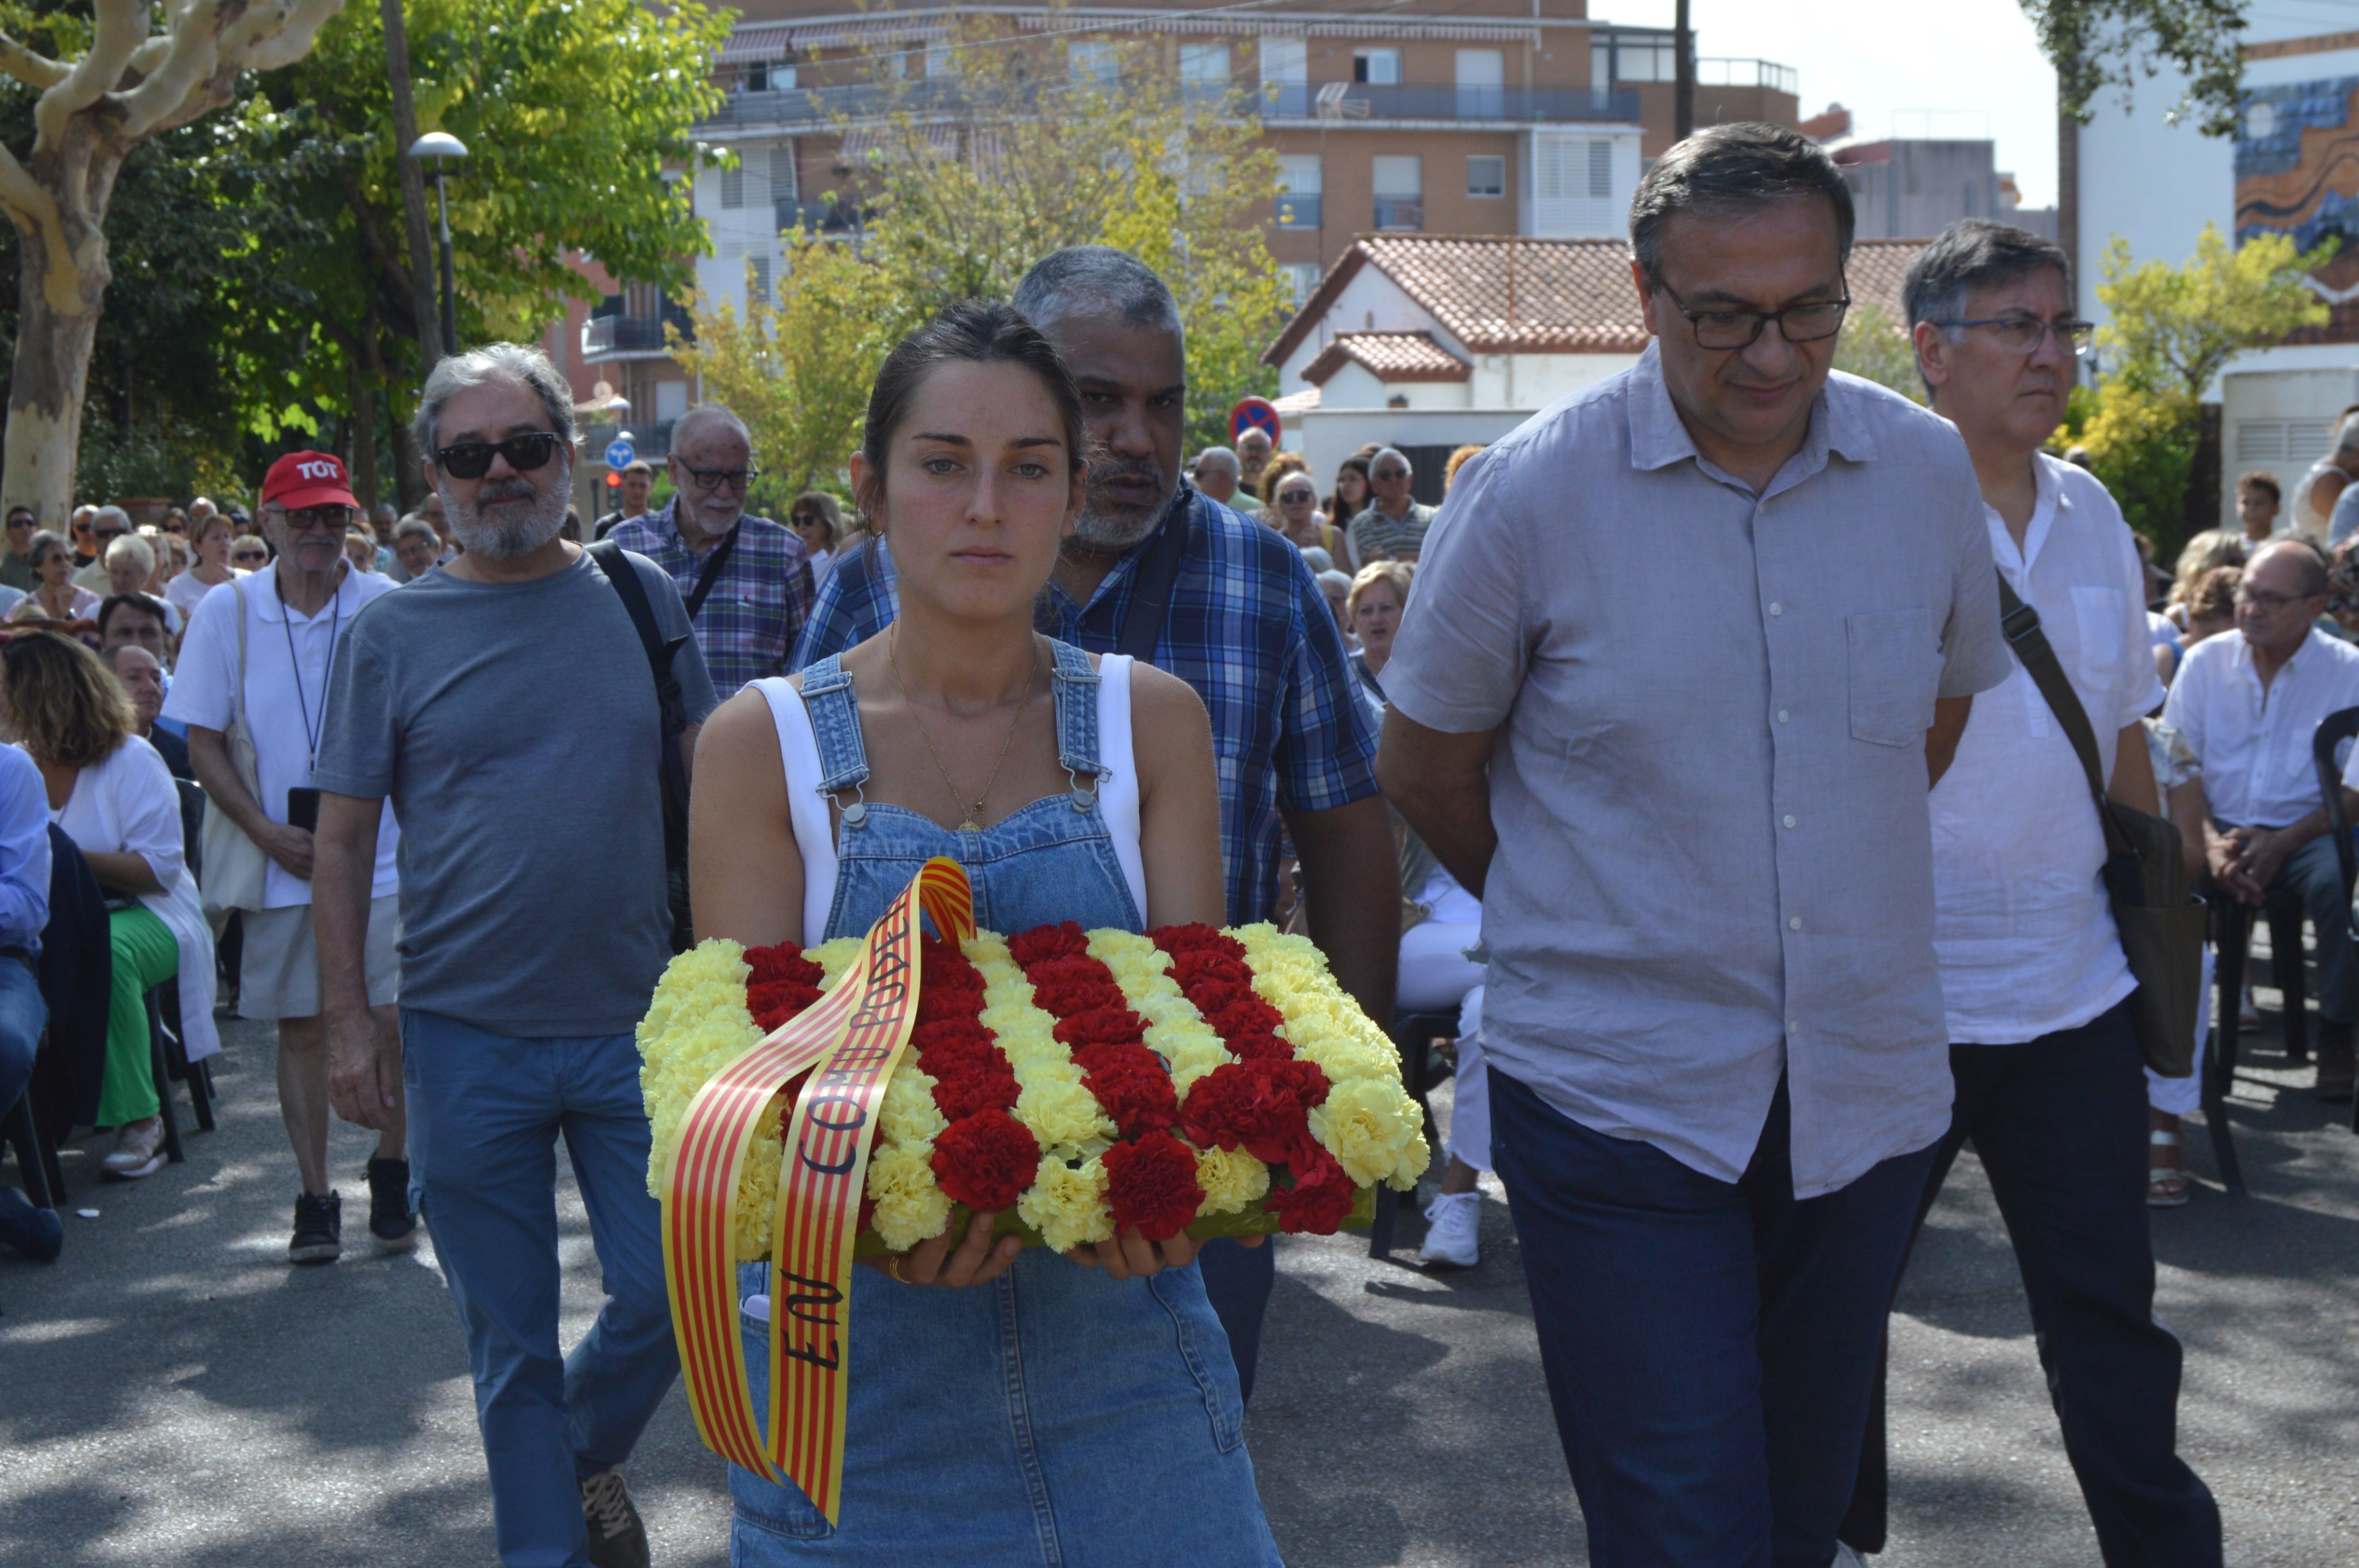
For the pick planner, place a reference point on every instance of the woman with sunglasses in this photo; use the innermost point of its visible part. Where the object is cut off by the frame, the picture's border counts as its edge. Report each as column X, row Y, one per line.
column 1294, row 512
column 1001, row 1398
column 209, row 538
column 54, row 595
column 249, row 553
column 112, row 794
column 819, row 523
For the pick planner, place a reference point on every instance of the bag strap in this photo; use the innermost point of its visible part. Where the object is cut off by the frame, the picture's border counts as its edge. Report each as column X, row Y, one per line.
column 1150, row 590
column 237, row 704
column 712, row 572
column 2020, row 625
column 634, row 595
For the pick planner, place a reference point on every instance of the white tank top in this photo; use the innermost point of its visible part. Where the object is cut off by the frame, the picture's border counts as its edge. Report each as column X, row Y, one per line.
column 1117, row 788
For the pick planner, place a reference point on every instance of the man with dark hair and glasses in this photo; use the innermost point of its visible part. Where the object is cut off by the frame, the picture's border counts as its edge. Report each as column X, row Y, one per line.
column 1713, row 1020
column 16, row 564
column 473, row 701
column 2051, row 1088
column 256, row 657
column 747, row 581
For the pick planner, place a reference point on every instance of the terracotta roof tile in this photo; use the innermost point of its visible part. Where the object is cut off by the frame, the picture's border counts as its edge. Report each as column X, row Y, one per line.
column 1503, row 294
column 1390, row 357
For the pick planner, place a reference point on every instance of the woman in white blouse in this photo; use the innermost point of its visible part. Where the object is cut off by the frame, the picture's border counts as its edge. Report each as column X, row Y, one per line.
column 210, row 538
column 114, row 797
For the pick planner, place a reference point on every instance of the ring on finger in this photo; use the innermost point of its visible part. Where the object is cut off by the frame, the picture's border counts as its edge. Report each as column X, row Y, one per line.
column 893, row 1268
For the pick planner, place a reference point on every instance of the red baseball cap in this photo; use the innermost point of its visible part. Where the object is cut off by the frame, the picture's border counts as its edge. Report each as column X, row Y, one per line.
column 308, row 479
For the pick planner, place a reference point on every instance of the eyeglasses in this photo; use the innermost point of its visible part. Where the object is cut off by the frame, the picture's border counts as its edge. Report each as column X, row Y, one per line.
column 336, row 517
column 2023, row 334
column 256, row 557
column 1806, row 323
column 1289, row 497
column 714, row 478
column 472, row 460
column 106, row 536
column 1390, row 473
column 2261, row 599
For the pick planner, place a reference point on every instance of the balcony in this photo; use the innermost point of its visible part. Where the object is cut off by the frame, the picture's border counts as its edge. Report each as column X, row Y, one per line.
column 1298, row 211
column 1400, row 212
column 1715, row 72
column 617, row 336
column 817, row 108
column 1358, row 100
column 820, row 217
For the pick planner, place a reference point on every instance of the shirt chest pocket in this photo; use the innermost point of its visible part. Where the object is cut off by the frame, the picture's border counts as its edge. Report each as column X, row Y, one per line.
column 1893, row 667
column 2097, row 616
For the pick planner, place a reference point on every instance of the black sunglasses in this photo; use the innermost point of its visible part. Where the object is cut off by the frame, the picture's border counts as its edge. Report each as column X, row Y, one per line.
column 472, row 460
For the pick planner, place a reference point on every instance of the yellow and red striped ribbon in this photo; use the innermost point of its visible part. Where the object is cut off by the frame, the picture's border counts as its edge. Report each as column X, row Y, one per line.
column 850, row 1040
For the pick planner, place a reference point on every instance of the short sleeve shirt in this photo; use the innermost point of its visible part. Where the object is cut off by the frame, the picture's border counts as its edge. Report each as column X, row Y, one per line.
column 286, row 698
column 757, row 606
column 1715, row 862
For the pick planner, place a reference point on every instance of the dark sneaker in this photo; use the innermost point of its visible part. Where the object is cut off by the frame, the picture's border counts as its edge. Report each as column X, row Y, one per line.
column 617, row 1539
column 391, row 1219
column 318, row 1229
column 37, row 1233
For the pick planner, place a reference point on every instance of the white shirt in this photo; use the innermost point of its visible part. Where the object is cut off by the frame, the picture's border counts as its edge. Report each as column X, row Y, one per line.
column 2021, row 924
column 184, row 591
column 287, row 659
column 2253, row 747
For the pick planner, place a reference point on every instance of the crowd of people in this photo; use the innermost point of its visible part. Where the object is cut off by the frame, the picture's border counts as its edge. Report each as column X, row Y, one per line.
column 1793, row 909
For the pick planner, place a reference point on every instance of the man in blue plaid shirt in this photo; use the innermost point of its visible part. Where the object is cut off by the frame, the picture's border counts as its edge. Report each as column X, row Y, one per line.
column 747, row 618
column 1246, row 626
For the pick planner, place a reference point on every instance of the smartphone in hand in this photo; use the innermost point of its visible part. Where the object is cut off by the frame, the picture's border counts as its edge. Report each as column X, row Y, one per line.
column 303, row 809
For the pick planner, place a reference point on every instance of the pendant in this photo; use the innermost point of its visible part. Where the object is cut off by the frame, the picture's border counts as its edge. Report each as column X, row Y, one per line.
column 970, row 826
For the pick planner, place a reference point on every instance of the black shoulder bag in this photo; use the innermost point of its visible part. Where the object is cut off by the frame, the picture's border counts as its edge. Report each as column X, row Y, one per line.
column 672, row 705
column 2154, row 907
column 1151, row 590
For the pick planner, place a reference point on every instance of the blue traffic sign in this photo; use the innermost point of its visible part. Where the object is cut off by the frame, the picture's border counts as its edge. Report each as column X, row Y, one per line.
column 619, row 454
column 1254, row 414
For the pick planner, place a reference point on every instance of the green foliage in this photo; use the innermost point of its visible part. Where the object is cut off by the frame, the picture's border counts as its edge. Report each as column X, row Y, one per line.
column 2141, row 442
column 1877, row 347
column 965, row 188
column 2097, row 44
column 2180, row 326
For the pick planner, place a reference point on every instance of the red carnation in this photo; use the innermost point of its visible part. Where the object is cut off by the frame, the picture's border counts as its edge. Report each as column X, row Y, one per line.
column 1306, row 1081
column 1319, row 1199
column 1103, row 1023
column 775, row 1003
column 1139, row 1102
column 1192, row 968
column 1209, row 995
column 1106, row 1055
column 975, row 1087
column 952, row 1033
column 1151, row 1185
column 986, row 1161
column 1194, row 938
column 1072, row 970
column 947, row 1003
column 1259, row 1048
column 1246, row 1015
column 782, row 962
column 1065, row 998
column 1243, row 1103
column 1060, row 941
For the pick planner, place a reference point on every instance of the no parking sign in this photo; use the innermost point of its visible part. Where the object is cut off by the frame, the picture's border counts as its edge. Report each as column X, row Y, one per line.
column 1254, row 414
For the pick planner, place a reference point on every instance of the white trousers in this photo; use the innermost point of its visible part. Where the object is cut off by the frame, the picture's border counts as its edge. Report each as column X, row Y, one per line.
column 1436, row 976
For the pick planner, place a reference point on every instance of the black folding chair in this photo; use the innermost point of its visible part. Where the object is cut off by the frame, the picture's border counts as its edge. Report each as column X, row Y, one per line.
column 2333, row 730
column 1413, row 1035
column 37, row 1156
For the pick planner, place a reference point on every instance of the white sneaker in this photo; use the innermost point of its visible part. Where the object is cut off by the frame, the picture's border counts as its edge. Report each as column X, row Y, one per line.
column 1453, row 1220
column 138, row 1152
column 1847, row 1556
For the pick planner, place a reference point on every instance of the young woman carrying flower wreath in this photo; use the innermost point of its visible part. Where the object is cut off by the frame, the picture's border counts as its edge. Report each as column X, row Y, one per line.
column 1006, row 1406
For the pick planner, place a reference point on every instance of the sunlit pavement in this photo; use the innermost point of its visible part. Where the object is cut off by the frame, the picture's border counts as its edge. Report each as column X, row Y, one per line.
column 173, row 1392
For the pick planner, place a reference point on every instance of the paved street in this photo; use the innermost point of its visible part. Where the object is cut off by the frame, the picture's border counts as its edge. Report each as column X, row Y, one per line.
column 174, row 1393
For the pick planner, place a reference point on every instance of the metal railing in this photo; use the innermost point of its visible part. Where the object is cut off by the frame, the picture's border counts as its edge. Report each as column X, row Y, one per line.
column 633, row 334
column 837, row 217
column 1400, row 212
column 1719, row 73
column 1298, row 211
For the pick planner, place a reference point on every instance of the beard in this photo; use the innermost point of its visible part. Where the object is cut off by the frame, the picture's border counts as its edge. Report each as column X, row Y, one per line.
column 514, row 530
column 1110, row 528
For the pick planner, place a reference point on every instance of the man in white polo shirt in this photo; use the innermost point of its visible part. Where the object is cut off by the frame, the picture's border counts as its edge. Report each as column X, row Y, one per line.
column 258, row 656
column 2248, row 707
column 2051, row 1084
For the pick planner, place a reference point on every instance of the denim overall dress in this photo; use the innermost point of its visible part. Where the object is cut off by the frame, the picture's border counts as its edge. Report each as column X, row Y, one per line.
column 1053, row 1416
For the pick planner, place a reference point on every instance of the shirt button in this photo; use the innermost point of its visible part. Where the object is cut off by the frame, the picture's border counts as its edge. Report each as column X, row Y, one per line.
column 1782, row 716
column 1775, row 608
column 1796, row 923
column 1793, row 1026
column 1788, row 819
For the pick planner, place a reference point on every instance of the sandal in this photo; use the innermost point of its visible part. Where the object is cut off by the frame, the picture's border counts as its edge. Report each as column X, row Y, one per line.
column 2165, row 1185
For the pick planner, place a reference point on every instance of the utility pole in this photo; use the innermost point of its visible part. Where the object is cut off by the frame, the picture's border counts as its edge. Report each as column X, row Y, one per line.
column 1683, row 79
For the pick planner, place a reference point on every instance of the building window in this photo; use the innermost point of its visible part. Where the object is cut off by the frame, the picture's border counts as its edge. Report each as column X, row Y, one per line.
column 1302, row 277
column 1378, row 68
column 1486, row 175
column 1100, row 65
column 782, row 171
column 1399, row 184
column 1601, row 65
column 1600, row 168
column 938, row 58
column 769, row 76
column 1299, row 181
column 732, row 185
column 1285, row 62
column 1481, row 84
column 757, row 278
column 1204, row 65
column 1645, row 61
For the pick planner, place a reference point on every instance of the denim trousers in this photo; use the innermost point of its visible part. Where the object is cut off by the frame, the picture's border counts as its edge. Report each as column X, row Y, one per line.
column 2059, row 1124
column 484, row 1113
column 1238, row 1281
column 23, row 1016
column 1709, row 1345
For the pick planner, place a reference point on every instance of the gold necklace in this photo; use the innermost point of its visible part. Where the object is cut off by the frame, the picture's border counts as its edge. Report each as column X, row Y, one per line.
column 971, row 823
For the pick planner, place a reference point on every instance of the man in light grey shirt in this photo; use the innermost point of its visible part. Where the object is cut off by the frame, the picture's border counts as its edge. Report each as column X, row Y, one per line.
column 1691, row 643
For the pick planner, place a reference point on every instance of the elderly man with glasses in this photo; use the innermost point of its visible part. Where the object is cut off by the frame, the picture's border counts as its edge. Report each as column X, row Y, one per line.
column 746, row 579
column 1393, row 526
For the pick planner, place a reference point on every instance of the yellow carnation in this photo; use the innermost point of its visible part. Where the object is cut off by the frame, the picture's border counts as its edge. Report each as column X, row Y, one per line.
column 1063, row 1113
column 1068, row 1205
column 1370, row 1126
column 757, row 1186
column 910, row 1205
column 834, row 958
column 1233, row 1180
column 908, row 1115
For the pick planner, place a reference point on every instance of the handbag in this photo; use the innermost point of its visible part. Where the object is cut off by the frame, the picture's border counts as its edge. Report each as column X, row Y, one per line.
column 2161, row 920
column 234, row 864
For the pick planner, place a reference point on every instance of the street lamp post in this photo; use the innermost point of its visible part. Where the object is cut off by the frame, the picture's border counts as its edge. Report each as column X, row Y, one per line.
column 441, row 146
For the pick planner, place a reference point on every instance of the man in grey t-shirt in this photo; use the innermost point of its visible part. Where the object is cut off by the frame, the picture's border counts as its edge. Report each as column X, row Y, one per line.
column 506, row 707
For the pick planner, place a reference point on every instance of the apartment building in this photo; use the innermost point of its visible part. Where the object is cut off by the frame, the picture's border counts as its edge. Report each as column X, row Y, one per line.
column 1523, row 117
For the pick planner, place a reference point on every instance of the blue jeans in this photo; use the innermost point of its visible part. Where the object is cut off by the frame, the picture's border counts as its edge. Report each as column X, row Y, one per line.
column 23, row 1016
column 1238, row 1281
column 484, row 1113
column 1709, row 1345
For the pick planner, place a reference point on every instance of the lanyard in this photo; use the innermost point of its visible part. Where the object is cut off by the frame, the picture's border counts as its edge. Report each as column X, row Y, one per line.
column 286, row 624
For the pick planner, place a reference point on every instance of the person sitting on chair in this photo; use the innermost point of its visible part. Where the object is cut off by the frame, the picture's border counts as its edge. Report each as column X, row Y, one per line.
column 24, row 911
column 112, row 794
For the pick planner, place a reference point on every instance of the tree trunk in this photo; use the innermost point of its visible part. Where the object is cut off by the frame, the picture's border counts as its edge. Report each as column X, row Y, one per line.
column 57, row 321
column 361, row 427
column 413, row 186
